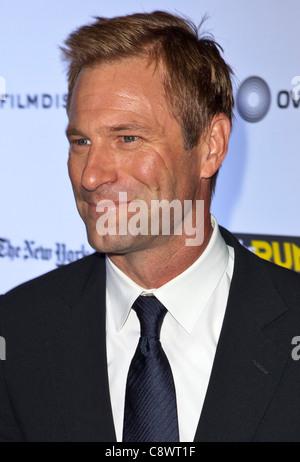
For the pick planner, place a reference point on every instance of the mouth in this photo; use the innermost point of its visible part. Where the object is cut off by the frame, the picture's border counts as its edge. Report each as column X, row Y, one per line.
column 107, row 203
column 110, row 203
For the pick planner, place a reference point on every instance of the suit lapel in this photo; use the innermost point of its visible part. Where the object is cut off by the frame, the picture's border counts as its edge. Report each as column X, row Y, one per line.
column 77, row 354
column 248, row 365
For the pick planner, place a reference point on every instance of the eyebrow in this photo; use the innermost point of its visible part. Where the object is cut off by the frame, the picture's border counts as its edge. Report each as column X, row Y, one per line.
column 126, row 127
column 73, row 130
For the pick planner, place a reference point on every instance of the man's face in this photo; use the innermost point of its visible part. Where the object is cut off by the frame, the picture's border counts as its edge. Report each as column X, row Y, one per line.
column 123, row 138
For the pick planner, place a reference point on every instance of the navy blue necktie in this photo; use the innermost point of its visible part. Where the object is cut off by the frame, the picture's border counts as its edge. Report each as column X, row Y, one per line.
column 150, row 413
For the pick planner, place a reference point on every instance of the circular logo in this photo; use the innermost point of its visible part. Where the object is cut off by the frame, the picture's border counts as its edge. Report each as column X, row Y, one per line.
column 253, row 99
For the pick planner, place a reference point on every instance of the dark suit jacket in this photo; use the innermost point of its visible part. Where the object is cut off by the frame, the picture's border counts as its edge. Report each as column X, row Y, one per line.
column 54, row 384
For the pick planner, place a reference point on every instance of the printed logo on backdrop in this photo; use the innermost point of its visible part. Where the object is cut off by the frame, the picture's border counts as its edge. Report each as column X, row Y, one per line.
column 282, row 250
column 29, row 250
column 31, row 101
column 254, row 97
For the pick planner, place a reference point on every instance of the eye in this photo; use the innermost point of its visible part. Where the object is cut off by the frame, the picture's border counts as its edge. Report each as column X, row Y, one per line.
column 82, row 142
column 130, row 138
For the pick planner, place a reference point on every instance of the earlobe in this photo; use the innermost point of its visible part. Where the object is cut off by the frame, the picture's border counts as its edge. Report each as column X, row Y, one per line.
column 217, row 137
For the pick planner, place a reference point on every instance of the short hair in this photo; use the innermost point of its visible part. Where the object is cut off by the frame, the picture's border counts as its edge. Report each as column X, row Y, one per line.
column 197, row 80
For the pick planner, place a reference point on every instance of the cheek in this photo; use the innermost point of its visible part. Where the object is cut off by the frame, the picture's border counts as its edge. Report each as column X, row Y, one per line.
column 154, row 167
column 150, row 171
column 147, row 167
column 75, row 171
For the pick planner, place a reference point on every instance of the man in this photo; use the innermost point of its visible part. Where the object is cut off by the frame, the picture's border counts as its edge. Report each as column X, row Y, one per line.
column 150, row 108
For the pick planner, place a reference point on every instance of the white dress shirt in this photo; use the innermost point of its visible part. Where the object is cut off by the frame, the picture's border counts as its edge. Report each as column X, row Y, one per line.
column 196, row 302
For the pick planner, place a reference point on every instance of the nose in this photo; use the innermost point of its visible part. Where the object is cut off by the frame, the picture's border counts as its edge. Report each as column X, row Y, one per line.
column 99, row 169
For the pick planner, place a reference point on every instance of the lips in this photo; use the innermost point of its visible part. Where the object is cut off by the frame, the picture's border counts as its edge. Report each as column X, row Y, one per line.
column 104, row 203
column 109, row 203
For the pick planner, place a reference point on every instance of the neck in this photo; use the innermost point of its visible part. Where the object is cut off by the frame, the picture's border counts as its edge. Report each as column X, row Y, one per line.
column 152, row 268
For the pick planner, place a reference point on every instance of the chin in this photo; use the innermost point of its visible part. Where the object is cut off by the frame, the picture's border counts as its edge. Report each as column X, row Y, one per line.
column 114, row 244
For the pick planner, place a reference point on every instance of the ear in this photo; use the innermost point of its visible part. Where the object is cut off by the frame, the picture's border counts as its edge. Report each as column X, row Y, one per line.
column 216, row 140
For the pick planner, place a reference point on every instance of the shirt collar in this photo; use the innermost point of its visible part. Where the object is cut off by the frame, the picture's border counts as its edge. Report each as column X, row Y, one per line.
column 185, row 296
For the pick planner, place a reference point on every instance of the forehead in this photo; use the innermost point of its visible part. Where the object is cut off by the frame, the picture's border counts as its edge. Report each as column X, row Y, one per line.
column 132, row 85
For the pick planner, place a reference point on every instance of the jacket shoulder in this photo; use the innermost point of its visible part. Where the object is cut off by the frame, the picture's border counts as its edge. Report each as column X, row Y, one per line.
column 64, row 281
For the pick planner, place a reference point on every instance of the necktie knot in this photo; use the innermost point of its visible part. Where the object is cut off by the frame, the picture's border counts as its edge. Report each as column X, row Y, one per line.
column 151, row 313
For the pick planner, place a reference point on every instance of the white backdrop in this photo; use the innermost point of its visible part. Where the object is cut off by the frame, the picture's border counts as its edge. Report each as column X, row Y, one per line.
column 258, row 186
